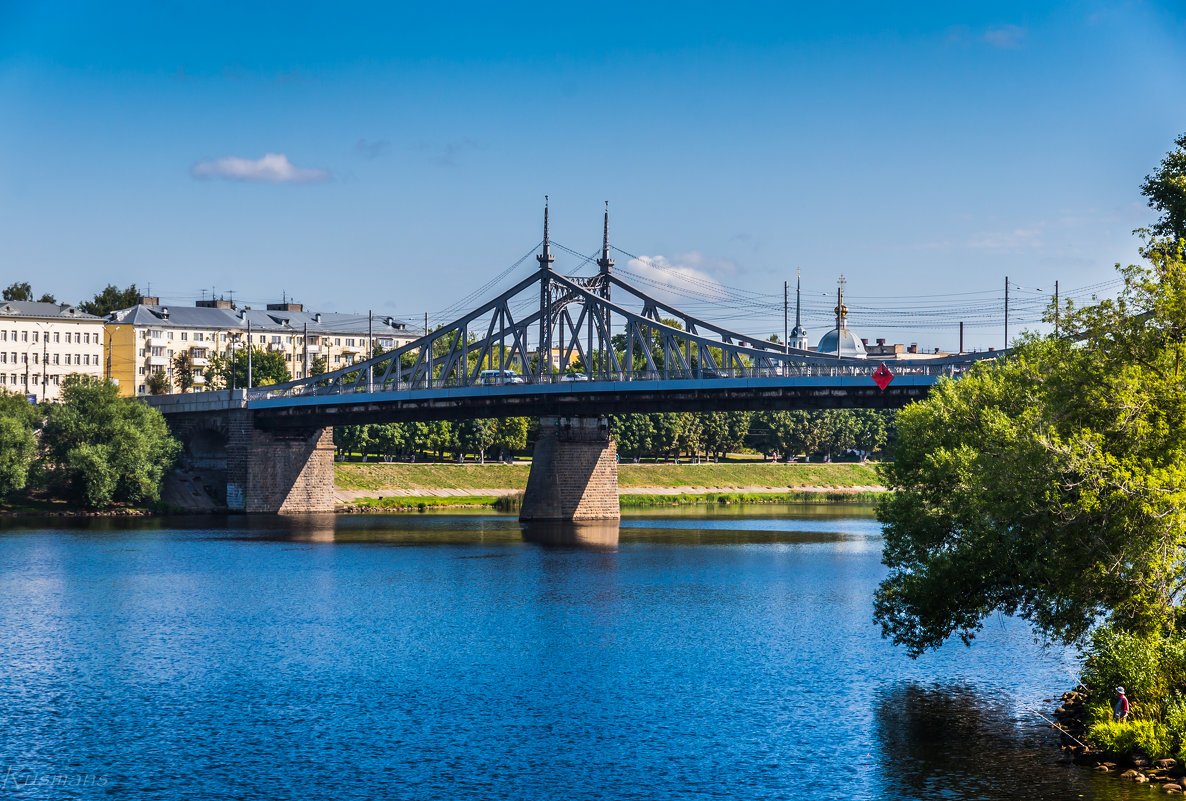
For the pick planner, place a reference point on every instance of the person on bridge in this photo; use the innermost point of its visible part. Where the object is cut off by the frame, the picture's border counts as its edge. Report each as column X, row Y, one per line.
column 1120, row 710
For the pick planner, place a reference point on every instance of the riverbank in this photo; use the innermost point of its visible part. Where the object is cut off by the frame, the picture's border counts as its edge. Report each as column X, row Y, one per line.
column 389, row 486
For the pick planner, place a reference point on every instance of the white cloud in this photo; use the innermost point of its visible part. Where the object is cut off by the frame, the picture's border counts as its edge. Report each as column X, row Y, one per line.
column 684, row 273
column 1006, row 37
column 1011, row 241
column 273, row 168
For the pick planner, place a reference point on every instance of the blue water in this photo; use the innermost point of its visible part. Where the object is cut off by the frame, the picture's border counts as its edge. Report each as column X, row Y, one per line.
column 443, row 657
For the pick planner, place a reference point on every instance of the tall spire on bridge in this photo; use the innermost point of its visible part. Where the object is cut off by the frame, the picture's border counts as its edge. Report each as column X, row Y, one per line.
column 546, row 258
column 605, row 262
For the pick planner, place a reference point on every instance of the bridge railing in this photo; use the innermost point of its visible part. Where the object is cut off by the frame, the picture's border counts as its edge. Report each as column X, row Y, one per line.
column 579, row 381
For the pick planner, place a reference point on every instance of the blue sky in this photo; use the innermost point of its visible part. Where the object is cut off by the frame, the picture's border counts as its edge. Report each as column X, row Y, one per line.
column 925, row 149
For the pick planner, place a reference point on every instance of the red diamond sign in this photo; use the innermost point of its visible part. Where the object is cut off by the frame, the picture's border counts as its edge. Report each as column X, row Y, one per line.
column 882, row 377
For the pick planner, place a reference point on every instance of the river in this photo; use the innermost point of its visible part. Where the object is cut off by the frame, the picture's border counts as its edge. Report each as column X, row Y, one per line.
column 707, row 654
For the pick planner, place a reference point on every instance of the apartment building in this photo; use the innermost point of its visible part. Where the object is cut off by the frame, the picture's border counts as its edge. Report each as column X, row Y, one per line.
column 41, row 343
column 149, row 336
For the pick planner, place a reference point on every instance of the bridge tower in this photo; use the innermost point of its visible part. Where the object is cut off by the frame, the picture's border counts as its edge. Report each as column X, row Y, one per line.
column 574, row 467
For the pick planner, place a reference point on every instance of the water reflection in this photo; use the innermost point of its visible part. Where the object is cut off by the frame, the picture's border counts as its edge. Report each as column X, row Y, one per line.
column 589, row 534
column 951, row 741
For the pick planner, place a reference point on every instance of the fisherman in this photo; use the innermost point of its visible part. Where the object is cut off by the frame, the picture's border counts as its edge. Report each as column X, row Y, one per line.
column 1120, row 710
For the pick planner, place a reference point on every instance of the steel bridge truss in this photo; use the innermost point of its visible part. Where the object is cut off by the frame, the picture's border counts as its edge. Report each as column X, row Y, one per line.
column 583, row 335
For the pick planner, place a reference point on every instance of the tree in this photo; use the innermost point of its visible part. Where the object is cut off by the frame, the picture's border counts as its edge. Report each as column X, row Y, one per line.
column 158, row 383
column 476, row 436
column 1049, row 484
column 18, row 290
column 111, row 299
column 354, row 439
column 183, row 371
column 1166, row 192
column 510, row 435
column 267, row 367
column 18, row 443
column 317, row 366
column 105, row 449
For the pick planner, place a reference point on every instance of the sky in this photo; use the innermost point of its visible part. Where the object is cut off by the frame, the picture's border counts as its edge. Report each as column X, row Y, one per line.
column 395, row 157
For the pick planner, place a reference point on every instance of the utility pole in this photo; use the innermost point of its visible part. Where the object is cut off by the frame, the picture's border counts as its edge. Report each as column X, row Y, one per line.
column 249, row 353
column 425, row 323
column 786, row 316
column 370, row 350
column 1006, row 312
column 961, row 336
column 305, row 340
column 1056, row 308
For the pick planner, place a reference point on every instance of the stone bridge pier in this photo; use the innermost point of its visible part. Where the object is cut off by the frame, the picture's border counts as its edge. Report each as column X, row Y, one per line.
column 230, row 462
column 574, row 472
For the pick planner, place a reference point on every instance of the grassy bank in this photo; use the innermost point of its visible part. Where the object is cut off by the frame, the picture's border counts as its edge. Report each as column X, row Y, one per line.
column 507, row 503
column 726, row 475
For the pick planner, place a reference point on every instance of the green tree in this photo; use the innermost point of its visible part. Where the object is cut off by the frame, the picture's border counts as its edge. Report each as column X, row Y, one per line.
column 183, row 371
column 111, row 299
column 267, row 367
column 354, row 439
column 634, row 433
column 1166, row 192
column 1049, row 484
column 19, row 290
column 510, row 435
column 18, row 443
column 104, row 449
column 476, row 436
column 317, row 366
column 158, row 383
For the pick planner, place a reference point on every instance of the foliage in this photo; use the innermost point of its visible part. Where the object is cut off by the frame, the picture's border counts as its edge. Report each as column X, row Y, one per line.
column 318, row 365
column 1148, row 666
column 157, row 383
column 1175, row 718
column 104, row 449
column 267, row 367
column 1166, row 192
column 110, row 299
column 18, row 290
column 183, row 371
column 216, row 372
column 510, row 434
column 1050, row 484
column 18, row 443
column 1148, row 737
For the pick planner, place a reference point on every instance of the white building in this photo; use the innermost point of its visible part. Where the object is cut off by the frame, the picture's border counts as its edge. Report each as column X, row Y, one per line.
column 41, row 343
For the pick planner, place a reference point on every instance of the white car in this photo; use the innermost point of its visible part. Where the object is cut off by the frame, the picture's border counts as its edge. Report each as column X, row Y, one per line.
column 574, row 377
column 499, row 377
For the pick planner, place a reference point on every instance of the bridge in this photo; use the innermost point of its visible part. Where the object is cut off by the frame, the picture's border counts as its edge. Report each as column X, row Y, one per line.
column 568, row 349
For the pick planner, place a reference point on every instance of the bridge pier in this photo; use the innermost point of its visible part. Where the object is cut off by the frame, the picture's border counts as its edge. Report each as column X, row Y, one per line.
column 284, row 472
column 574, row 472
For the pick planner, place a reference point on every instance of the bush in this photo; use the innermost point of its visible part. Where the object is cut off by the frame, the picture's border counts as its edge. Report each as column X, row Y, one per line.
column 1147, row 737
column 1175, row 718
column 1142, row 664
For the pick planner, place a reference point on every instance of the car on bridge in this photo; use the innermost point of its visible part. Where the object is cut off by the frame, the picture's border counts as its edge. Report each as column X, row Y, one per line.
column 574, row 377
column 493, row 377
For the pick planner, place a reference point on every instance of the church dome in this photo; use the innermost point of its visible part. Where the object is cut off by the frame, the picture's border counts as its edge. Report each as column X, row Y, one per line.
column 850, row 345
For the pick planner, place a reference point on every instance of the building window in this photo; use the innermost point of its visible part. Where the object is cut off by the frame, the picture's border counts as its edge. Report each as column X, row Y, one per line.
column 141, row 389
column 34, row 336
column 184, row 336
column 141, row 371
column 55, row 358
